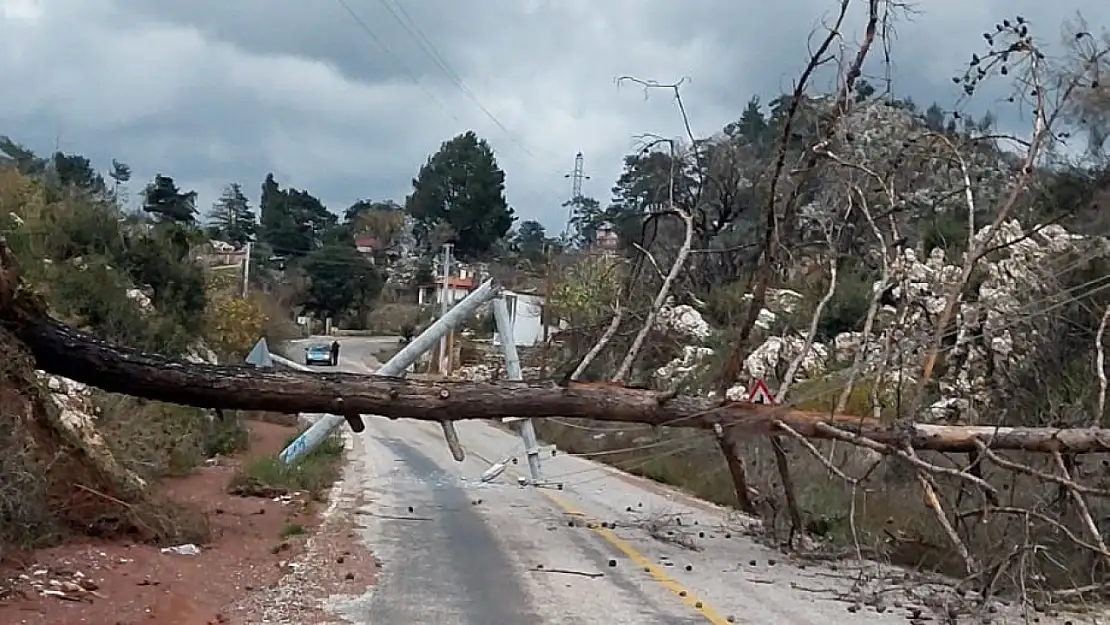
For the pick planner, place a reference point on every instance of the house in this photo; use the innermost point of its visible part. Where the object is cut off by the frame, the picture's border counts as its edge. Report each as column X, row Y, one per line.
column 216, row 253
column 458, row 287
column 526, row 316
column 368, row 245
column 606, row 238
column 375, row 249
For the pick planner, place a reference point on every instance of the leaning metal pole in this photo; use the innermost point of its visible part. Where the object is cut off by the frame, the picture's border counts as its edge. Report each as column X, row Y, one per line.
column 395, row 367
column 512, row 368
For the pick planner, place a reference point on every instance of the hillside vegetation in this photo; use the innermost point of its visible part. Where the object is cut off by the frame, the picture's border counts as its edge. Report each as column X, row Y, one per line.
column 73, row 459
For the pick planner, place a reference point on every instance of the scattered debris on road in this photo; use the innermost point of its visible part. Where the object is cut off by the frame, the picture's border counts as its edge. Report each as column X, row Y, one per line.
column 539, row 568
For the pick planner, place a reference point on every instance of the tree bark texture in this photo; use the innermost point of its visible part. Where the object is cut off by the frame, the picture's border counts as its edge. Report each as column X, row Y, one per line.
column 65, row 351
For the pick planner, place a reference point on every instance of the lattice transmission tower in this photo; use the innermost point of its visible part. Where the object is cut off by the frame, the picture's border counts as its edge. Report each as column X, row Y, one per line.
column 576, row 178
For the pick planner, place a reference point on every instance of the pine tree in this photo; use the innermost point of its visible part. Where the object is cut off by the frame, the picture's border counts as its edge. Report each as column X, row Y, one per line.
column 463, row 187
column 166, row 202
column 231, row 218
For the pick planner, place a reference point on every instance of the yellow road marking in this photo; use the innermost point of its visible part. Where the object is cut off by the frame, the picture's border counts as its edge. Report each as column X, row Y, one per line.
column 637, row 558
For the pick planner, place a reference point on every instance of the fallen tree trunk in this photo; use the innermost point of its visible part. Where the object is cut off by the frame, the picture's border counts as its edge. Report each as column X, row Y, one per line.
column 64, row 351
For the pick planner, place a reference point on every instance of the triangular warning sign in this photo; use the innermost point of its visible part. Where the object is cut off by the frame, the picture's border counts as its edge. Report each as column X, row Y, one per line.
column 260, row 355
column 760, row 394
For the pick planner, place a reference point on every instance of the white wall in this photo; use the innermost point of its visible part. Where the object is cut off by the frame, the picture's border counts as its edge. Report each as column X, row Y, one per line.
column 525, row 313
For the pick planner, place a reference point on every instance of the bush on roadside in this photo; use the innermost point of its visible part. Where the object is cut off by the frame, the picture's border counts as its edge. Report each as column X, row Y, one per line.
column 159, row 440
column 128, row 281
column 26, row 518
column 233, row 325
column 392, row 319
column 314, row 473
column 279, row 326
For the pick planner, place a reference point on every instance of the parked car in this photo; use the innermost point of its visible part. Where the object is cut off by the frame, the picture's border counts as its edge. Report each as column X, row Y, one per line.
column 319, row 354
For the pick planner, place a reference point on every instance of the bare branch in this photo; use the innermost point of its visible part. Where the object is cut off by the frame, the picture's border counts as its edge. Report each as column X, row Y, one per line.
column 771, row 223
column 1041, row 133
column 625, row 368
column 651, row 259
column 1100, row 366
column 1081, row 507
column 606, row 336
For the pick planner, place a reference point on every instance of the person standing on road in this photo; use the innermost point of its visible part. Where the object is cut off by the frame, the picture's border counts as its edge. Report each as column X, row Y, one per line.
column 334, row 353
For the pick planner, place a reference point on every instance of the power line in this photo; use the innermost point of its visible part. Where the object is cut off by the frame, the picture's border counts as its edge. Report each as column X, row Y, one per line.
column 410, row 26
column 396, row 59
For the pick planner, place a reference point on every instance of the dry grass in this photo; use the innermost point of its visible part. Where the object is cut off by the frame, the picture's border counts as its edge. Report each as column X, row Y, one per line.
column 159, row 440
column 687, row 459
column 26, row 518
column 25, row 515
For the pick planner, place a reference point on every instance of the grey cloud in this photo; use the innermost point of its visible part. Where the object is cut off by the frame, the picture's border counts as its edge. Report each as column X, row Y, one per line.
column 212, row 92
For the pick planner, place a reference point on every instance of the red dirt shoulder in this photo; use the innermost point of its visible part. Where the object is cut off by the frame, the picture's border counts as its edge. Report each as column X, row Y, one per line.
column 111, row 583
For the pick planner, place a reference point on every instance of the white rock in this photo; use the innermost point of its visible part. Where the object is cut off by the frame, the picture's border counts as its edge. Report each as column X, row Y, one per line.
column 141, row 299
column 683, row 320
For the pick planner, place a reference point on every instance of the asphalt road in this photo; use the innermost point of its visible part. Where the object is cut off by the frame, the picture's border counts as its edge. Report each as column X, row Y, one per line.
column 457, row 551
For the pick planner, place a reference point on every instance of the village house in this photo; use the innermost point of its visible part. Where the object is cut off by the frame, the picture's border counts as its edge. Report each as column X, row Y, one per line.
column 606, row 239
column 458, row 287
column 376, row 250
column 217, row 253
column 367, row 245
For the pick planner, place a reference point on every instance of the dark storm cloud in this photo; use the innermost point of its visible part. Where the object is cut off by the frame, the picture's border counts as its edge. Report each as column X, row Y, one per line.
column 212, row 92
column 321, row 31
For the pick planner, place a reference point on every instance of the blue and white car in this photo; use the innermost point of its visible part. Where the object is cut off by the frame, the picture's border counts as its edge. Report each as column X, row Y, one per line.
column 319, row 354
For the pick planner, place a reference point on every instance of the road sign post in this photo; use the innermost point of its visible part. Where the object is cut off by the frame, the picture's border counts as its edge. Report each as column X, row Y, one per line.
column 760, row 394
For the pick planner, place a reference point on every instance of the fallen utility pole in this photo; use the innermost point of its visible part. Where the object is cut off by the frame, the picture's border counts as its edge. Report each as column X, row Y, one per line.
column 512, row 369
column 395, row 367
column 62, row 350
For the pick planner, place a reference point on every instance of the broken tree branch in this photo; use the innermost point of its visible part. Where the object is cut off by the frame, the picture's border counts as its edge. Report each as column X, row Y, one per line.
column 1081, row 507
column 730, row 446
column 1100, row 366
column 1044, row 120
column 607, row 336
column 625, row 368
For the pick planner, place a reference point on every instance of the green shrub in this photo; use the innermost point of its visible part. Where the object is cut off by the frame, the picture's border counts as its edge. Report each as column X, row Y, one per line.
column 390, row 319
column 847, row 309
column 947, row 231
column 314, row 473
column 726, row 305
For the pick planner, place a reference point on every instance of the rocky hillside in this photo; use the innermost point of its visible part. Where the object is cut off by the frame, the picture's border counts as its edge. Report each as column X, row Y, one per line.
column 1001, row 330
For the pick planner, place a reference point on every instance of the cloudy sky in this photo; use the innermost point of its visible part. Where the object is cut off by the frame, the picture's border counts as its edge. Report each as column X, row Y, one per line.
column 215, row 91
